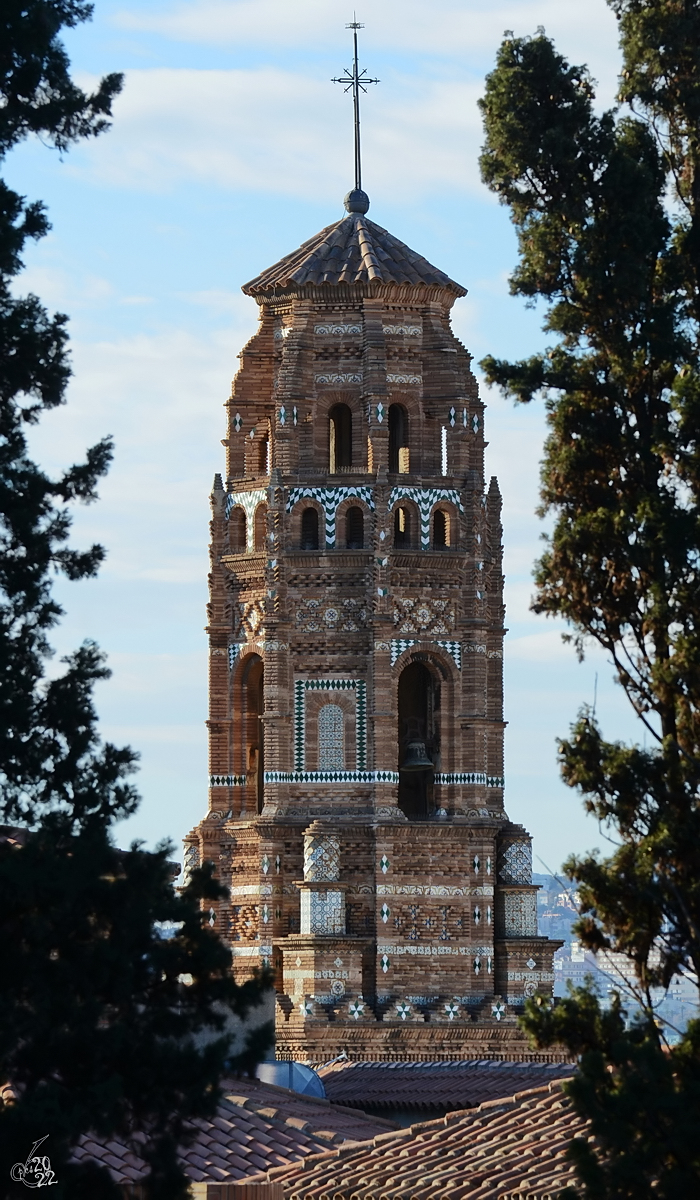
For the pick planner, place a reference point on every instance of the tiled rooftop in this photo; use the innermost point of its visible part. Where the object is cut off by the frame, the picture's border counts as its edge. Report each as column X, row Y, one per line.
column 504, row 1150
column 353, row 251
column 425, row 1085
column 256, row 1127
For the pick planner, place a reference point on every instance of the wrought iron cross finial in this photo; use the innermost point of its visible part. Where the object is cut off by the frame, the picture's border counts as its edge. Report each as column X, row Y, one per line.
column 355, row 81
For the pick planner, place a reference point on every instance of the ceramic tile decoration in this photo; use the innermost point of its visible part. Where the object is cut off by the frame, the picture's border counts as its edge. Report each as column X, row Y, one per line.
column 331, row 738
column 520, row 914
column 339, row 378
column 329, row 498
column 301, row 687
column 413, row 380
column 336, row 330
column 322, row 912
column 515, row 862
column 425, row 498
column 375, row 885
column 249, row 502
column 321, row 857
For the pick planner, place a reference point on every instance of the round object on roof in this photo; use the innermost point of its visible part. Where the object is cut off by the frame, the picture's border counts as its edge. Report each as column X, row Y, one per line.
column 295, row 1076
column 356, row 201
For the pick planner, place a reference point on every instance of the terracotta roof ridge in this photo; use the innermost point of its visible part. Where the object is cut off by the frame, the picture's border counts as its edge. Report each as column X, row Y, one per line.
column 516, row 1100
column 274, row 1118
column 358, row 1114
column 321, row 1101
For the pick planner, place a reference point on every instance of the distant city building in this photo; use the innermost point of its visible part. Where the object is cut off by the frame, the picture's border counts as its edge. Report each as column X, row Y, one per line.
column 356, row 705
column 610, row 972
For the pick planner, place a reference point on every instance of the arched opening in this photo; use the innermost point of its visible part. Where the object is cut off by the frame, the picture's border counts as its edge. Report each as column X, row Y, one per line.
column 255, row 741
column 340, row 437
column 398, row 439
column 309, row 529
column 402, row 527
column 441, row 530
column 264, row 457
column 331, row 738
column 419, row 703
column 237, row 531
column 355, row 528
column 260, row 527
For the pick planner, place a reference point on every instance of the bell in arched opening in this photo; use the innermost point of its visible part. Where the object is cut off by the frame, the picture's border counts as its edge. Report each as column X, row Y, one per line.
column 418, row 740
column 416, row 758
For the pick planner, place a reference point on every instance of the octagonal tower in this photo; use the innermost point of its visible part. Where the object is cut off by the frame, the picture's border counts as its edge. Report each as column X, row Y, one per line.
column 356, row 700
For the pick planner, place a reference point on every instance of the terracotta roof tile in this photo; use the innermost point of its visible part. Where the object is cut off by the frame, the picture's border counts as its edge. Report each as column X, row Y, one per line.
column 512, row 1149
column 425, row 1085
column 256, row 1127
column 352, row 251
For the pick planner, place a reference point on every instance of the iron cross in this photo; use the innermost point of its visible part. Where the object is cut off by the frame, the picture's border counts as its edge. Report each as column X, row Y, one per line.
column 355, row 81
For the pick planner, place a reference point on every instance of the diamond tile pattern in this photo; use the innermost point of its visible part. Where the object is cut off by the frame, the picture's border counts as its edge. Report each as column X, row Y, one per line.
column 510, row 1149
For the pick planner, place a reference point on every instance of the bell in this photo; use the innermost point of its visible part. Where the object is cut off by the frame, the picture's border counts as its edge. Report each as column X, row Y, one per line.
column 416, row 758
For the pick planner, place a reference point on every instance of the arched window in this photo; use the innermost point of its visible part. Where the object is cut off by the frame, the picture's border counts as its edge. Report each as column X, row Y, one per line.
column 441, row 530
column 340, row 437
column 354, row 528
column 309, row 529
column 264, row 457
column 253, row 684
column 419, row 704
column 237, row 531
column 402, row 527
column 331, row 738
column 260, row 527
column 398, row 439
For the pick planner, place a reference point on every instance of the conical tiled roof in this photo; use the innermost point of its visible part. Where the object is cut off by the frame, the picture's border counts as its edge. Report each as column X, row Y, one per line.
column 352, row 251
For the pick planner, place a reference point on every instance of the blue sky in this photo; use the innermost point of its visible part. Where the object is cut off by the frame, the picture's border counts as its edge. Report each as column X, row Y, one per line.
column 230, row 146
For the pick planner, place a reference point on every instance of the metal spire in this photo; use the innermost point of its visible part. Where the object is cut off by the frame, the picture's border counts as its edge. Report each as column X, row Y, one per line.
column 355, row 81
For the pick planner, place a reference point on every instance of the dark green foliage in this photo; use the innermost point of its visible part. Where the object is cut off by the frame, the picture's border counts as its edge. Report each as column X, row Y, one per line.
column 38, row 94
column 50, row 756
column 98, row 1029
column 608, row 221
column 642, row 1105
column 97, row 1026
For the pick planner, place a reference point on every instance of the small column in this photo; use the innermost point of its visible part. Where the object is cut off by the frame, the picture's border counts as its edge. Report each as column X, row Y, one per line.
column 523, row 959
column 322, row 896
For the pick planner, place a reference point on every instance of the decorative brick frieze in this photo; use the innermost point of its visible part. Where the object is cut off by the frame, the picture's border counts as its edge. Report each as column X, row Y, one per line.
column 336, row 330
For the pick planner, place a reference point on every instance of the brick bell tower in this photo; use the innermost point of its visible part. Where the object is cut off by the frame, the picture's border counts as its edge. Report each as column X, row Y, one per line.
column 356, row 702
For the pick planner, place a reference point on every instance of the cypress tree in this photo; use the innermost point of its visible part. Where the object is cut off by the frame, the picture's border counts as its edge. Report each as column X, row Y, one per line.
column 106, row 1025
column 607, row 213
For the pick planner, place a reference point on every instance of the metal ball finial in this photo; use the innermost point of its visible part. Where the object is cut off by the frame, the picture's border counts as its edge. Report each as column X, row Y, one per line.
column 356, row 201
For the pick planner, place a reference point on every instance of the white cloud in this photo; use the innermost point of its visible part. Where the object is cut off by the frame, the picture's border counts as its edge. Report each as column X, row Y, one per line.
column 445, row 28
column 161, row 398
column 540, row 647
column 277, row 131
column 284, row 129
